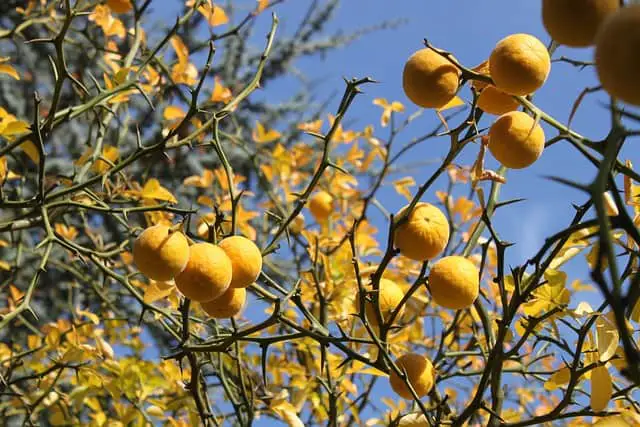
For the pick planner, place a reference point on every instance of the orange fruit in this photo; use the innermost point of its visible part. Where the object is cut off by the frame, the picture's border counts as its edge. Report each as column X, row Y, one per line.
column 246, row 260
column 519, row 64
column 424, row 234
column 616, row 55
column 420, row 374
column 321, row 206
column 160, row 253
column 491, row 99
column 575, row 23
column 297, row 224
column 207, row 274
column 454, row 282
column 389, row 296
column 516, row 140
column 430, row 80
column 226, row 305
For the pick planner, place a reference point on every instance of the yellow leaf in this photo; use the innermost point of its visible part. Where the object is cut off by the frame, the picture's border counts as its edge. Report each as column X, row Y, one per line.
column 156, row 291
column 220, row 92
column 120, row 6
column 155, row 411
column 3, row 169
column 173, row 112
column 89, row 315
column 413, row 420
column 203, row 181
column 314, row 126
column 261, row 135
column 607, row 337
column 455, row 102
column 14, row 127
column 69, row 233
column 153, row 190
column 287, row 412
column 31, row 151
column 610, row 206
column 5, row 266
column 402, row 186
column 262, row 5
column 8, row 69
column 104, row 347
column 16, row 294
column 560, row 377
column 635, row 313
column 111, row 26
column 601, row 388
column 214, row 14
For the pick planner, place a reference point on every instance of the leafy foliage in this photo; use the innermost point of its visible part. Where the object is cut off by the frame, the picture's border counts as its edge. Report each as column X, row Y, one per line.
column 108, row 126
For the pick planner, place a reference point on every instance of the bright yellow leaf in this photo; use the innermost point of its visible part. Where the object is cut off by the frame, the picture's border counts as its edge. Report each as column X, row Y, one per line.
column 220, row 93
column 120, row 6
column 111, row 26
column 31, row 151
column 455, row 102
column 157, row 291
column 8, row 69
column 402, row 186
column 261, row 135
column 262, row 5
column 607, row 337
column 287, row 412
column 173, row 112
column 153, row 190
column 560, row 377
column 214, row 14
column 601, row 388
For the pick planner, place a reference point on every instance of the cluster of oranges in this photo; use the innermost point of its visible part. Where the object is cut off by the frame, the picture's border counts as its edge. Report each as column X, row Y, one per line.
column 216, row 276
column 518, row 66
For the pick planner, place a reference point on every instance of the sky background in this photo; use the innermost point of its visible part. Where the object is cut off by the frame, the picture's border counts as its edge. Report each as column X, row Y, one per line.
column 469, row 29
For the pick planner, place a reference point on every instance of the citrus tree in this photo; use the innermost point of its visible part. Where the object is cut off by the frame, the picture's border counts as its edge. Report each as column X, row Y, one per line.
column 177, row 250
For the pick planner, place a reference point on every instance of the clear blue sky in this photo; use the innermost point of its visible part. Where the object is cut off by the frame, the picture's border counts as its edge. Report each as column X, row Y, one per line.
column 469, row 29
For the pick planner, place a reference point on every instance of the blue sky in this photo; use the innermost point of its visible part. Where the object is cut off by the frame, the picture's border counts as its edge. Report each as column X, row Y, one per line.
column 470, row 30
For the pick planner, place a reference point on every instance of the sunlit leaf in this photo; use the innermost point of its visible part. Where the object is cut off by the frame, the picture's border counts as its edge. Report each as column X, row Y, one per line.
column 157, row 291
column 220, row 93
column 560, row 377
column 120, row 6
column 31, row 151
column 261, row 135
column 402, row 186
column 601, row 388
column 607, row 337
column 455, row 102
column 153, row 190
column 9, row 70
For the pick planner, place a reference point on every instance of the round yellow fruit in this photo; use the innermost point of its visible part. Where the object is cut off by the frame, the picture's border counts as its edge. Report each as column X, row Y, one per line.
column 615, row 421
column 519, row 64
column 226, row 305
column 516, row 140
column 321, row 206
column 430, row 80
column 616, row 55
column 159, row 253
column 491, row 99
column 420, row 374
column 389, row 296
column 207, row 274
column 424, row 234
column 454, row 282
column 246, row 260
column 297, row 224
column 575, row 23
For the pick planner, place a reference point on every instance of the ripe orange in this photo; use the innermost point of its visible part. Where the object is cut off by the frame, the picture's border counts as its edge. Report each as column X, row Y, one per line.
column 207, row 274
column 424, row 234
column 420, row 374
column 429, row 80
column 160, row 253
column 576, row 22
column 227, row 305
column 389, row 296
column 246, row 260
column 519, row 64
column 516, row 140
column 616, row 55
column 491, row 99
column 454, row 282
column 321, row 206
